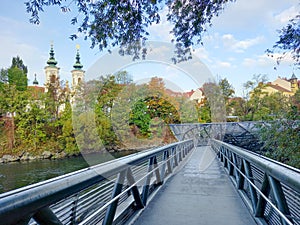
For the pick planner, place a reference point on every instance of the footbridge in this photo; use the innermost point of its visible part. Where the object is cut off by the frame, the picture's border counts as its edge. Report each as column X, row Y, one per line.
column 198, row 180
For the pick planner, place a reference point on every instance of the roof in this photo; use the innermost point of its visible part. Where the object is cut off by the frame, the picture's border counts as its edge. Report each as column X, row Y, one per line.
column 278, row 88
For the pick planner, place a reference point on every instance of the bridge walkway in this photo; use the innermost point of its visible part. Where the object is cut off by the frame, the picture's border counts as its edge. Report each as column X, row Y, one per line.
column 199, row 193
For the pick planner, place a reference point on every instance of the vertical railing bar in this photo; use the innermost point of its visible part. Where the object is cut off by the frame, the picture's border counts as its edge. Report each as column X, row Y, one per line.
column 234, row 160
column 279, row 198
column 74, row 209
column 180, row 152
column 241, row 178
column 156, row 171
column 174, row 149
column 169, row 167
column 261, row 203
column 253, row 195
column 111, row 210
column 46, row 216
column 134, row 190
column 163, row 167
column 230, row 166
column 147, row 182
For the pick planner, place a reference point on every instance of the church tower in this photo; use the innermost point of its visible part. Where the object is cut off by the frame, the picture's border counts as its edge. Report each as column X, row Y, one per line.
column 77, row 72
column 51, row 71
column 294, row 83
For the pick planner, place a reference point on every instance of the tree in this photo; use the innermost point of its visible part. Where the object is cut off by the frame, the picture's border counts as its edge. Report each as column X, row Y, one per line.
column 31, row 125
column 253, row 93
column 110, row 23
column 280, row 137
column 289, row 42
column 17, row 77
column 12, row 102
column 227, row 92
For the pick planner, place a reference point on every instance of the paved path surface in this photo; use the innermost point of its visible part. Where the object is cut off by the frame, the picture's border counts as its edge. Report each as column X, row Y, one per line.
column 200, row 193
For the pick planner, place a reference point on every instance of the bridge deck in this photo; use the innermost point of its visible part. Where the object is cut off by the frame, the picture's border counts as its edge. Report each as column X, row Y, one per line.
column 200, row 193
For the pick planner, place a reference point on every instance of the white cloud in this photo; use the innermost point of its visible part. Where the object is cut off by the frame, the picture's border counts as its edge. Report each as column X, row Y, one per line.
column 161, row 31
column 224, row 64
column 251, row 16
column 288, row 14
column 240, row 45
column 267, row 61
column 202, row 54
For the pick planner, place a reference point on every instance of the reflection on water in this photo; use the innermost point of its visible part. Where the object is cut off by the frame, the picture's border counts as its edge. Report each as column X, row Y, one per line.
column 16, row 175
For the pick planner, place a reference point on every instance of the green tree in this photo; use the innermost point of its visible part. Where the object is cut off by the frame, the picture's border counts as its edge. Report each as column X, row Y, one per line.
column 12, row 102
column 31, row 125
column 187, row 109
column 67, row 138
column 204, row 113
column 140, row 118
column 215, row 102
column 253, row 96
column 18, row 78
column 280, row 138
column 227, row 93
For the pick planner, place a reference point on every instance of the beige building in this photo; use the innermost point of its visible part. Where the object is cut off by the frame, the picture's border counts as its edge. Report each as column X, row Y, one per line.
column 287, row 87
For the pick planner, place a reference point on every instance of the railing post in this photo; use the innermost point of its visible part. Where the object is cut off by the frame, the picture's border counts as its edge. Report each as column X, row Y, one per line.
column 261, row 203
column 251, row 188
column 111, row 210
column 279, row 198
column 134, row 190
column 156, row 170
column 45, row 216
column 179, row 152
column 241, row 178
column 168, row 161
column 147, row 183
column 235, row 174
column 74, row 210
column 174, row 154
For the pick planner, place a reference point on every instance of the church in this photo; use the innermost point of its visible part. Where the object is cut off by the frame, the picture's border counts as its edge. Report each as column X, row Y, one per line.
column 53, row 78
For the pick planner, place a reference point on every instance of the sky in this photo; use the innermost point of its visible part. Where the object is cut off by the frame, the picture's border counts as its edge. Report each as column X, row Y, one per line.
column 234, row 47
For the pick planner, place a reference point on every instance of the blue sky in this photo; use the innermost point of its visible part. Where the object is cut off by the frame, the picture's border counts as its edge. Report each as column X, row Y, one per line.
column 234, row 47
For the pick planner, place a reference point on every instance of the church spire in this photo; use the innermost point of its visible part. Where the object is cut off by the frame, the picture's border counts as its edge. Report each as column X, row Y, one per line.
column 77, row 65
column 35, row 82
column 51, row 61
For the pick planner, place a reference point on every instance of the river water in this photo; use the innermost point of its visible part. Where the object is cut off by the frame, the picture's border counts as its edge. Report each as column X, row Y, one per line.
column 19, row 174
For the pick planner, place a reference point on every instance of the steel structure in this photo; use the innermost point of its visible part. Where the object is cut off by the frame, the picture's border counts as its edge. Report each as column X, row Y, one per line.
column 108, row 193
column 242, row 134
column 271, row 189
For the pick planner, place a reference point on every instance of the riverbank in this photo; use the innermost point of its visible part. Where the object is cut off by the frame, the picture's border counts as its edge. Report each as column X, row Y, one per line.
column 48, row 155
column 26, row 156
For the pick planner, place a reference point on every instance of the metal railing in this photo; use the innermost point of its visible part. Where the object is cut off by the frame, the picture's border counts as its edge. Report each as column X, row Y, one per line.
column 108, row 193
column 271, row 189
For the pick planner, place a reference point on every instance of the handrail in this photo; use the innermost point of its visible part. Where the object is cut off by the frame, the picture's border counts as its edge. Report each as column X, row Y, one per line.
column 271, row 188
column 44, row 201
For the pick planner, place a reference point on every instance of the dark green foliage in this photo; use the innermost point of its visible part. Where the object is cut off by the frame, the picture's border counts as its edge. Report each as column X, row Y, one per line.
column 281, row 139
column 140, row 117
column 18, row 78
column 109, row 23
column 289, row 41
